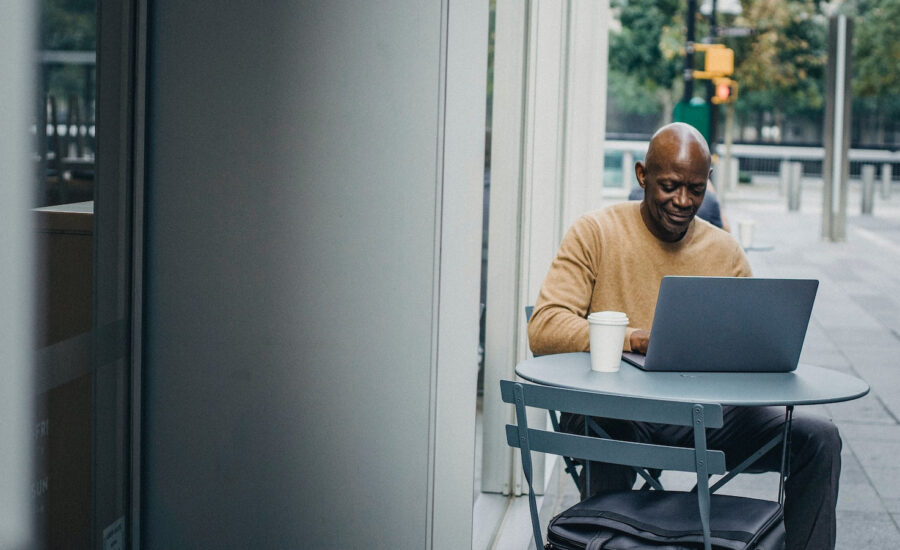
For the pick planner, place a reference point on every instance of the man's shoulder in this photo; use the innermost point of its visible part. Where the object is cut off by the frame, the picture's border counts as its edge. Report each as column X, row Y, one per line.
column 712, row 238
column 603, row 228
column 713, row 232
column 613, row 216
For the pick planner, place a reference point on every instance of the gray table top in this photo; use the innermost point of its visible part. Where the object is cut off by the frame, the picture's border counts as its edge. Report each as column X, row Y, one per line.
column 807, row 385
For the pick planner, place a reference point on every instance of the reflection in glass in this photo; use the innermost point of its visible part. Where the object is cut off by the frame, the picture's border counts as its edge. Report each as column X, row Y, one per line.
column 82, row 279
column 66, row 135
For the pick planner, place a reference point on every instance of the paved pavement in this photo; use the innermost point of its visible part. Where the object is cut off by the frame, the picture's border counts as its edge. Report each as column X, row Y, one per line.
column 855, row 328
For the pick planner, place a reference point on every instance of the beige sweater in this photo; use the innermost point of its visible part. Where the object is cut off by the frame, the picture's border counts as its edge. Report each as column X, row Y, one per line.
column 609, row 260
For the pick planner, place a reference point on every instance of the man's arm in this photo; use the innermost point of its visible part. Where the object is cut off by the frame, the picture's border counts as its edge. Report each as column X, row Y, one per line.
column 558, row 324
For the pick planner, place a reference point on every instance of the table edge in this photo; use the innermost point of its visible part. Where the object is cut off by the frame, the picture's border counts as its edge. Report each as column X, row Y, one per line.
column 778, row 403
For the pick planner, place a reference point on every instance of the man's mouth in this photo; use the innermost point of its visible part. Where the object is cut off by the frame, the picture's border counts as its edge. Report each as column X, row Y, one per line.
column 679, row 217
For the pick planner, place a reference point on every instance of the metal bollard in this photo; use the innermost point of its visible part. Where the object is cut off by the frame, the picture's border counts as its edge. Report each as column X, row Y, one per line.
column 886, row 175
column 795, row 185
column 868, row 188
column 784, row 170
column 734, row 173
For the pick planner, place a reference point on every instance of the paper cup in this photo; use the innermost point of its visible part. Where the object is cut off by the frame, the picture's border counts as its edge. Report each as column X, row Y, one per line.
column 745, row 233
column 607, row 337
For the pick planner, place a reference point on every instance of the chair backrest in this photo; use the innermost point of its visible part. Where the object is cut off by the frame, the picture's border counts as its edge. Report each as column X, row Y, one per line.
column 609, row 406
column 698, row 459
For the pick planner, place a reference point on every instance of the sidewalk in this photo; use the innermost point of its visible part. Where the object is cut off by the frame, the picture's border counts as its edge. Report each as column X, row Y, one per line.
column 855, row 328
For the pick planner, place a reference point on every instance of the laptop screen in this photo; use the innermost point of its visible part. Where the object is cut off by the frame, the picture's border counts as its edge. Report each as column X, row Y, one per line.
column 729, row 324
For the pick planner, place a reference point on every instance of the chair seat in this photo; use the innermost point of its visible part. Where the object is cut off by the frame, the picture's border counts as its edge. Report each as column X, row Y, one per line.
column 668, row 519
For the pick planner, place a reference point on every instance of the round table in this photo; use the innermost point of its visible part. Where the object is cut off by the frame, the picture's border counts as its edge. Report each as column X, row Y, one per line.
column 807, row 385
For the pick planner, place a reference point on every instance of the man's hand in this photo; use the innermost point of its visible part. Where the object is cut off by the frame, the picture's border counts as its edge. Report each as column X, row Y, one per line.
column 640, row 340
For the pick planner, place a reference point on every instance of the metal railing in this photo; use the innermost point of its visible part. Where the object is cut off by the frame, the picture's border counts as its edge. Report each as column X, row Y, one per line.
column 757, row 163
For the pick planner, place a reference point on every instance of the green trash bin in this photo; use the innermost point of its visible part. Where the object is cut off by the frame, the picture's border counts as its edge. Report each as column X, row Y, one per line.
column 695, row 113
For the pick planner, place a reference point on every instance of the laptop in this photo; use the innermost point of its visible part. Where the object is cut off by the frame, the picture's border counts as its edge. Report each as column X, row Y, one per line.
column 728, row 324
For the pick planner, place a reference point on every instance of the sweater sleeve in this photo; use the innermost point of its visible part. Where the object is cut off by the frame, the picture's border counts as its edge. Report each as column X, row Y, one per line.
column 558, row 324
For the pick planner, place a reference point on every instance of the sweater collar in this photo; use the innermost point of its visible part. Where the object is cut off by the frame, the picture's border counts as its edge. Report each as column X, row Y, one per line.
column 675, row 245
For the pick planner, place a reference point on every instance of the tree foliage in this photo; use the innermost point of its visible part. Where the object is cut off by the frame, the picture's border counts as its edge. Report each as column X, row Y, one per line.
column 782, row 66
column 876, row 55
column 68, row 24
column 876, row 48
column 643, row 61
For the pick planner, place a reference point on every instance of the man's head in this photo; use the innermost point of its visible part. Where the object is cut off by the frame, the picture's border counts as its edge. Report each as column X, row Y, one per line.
column 673, row 175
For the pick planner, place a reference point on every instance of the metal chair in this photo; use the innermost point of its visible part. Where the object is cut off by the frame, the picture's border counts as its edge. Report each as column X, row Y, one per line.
column 571, row 465
column 699, row 459
column 651, row 478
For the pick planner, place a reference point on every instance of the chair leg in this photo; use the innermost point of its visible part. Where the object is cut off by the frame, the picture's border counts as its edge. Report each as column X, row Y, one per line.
column 785, row 452
column 702, row 475
column 525, row 447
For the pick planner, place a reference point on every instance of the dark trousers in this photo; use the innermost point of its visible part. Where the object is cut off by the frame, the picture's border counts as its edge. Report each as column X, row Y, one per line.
column 815, row 462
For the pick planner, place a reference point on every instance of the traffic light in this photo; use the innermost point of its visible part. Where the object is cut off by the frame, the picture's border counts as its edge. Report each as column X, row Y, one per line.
column 726, row 90
column 719, row 61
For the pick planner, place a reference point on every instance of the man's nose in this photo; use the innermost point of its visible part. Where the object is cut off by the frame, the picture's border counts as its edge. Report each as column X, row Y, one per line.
column 681, row 198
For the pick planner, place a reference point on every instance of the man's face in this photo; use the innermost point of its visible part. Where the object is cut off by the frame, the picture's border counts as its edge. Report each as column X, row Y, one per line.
column 674, row 185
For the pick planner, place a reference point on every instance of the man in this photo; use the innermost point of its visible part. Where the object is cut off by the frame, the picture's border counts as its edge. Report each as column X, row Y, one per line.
column 614, row 259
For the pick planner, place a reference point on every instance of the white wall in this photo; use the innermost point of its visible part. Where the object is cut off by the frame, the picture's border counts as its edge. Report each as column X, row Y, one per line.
column 16, row 187
column 311, row 273
column 549, row 123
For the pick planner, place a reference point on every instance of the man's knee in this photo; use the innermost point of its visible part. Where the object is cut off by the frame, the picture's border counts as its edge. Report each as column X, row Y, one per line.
column 816, row 437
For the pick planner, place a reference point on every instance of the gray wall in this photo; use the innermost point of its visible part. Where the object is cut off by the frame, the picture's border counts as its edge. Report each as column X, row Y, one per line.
column 295, row 215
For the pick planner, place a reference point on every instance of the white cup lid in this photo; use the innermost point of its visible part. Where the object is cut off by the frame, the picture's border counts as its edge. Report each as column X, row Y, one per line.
column 616, row 317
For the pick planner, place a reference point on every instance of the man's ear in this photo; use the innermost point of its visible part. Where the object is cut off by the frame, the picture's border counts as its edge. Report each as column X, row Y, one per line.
column 640, row 172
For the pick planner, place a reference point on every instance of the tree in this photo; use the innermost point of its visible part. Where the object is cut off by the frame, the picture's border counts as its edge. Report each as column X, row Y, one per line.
column 781, row 68
column 68, row 24
column 644, row 65
column 876, row 49
column 876, row 64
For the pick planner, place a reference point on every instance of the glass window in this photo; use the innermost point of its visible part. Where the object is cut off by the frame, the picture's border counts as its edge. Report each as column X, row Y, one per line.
column 83, row 281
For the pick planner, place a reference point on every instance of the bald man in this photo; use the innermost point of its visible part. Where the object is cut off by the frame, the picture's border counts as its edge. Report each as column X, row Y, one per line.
column 614, row 259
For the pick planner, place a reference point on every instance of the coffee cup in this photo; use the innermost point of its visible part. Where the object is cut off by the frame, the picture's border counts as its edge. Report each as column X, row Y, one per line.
column 607, row 336
column 745, row 233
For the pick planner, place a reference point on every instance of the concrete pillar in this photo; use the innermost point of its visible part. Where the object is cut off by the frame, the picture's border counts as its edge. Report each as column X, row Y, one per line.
column 836, row 166
column 868, row 188
column 795, row 185
column 627, row 170
column 723, row 175
column 886, row 175
column 276, row 407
